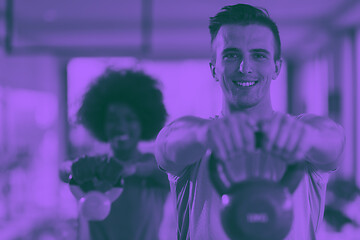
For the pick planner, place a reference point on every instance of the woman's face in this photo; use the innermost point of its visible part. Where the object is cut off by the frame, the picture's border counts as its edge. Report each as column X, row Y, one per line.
column 122, row 128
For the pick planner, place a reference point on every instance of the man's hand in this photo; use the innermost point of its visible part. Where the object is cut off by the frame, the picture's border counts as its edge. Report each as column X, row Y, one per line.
column 287, row 137
column 231, row 136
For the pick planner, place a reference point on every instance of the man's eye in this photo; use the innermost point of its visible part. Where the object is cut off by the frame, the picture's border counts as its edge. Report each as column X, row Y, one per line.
column 231, row 56
column 259, row 56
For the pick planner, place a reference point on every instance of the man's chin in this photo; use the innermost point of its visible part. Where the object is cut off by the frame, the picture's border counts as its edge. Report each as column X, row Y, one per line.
column 243, row 104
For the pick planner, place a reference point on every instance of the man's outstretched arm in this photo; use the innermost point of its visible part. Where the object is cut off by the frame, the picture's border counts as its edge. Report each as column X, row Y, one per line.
column 186, row 140
column 180, row 144
column 328, row 142
column 317, row 139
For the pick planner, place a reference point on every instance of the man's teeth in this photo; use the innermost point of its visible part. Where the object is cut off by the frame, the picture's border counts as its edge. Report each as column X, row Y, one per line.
column 245, row 84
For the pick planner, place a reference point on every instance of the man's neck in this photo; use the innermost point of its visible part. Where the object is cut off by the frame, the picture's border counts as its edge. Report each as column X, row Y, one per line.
column 260, row 111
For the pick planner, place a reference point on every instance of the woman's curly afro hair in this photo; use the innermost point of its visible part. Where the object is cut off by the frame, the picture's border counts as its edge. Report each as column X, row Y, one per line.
column 133, row 88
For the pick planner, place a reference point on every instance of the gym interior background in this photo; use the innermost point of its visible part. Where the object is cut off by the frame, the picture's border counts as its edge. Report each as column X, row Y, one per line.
column 51, row 50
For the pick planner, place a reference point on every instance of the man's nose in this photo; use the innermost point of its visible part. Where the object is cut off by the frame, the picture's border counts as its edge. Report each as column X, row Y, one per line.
column 245, row 66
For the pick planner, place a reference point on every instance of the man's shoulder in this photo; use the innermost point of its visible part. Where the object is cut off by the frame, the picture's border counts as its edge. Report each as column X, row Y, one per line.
column 192, row 118
column 300, row 116
column 184, row 122
column 305, row 116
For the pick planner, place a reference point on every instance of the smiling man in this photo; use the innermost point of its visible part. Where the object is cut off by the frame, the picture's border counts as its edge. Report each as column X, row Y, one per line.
column 244, row 63
column 246, row 58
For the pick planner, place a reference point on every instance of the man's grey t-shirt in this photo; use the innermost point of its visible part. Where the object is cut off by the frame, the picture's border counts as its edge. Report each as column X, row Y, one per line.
column 199, row 205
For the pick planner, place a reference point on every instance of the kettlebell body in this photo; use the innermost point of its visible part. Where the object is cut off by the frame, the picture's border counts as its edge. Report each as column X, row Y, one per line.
column 94, row 206
column 257, row 210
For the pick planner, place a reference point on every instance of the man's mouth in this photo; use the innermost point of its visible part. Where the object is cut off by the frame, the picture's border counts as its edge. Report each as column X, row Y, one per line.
column 245, row 83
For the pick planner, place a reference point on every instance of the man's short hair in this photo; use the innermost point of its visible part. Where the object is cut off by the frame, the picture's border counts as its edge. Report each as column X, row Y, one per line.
column 244, row 14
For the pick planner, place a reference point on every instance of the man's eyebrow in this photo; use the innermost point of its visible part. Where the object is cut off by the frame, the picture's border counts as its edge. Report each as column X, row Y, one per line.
column 226, row 50
column 260, row 50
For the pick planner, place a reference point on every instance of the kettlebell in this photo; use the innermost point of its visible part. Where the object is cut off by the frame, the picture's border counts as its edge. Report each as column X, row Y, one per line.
column 96, row 187
column 95, row 205
column 255, row 209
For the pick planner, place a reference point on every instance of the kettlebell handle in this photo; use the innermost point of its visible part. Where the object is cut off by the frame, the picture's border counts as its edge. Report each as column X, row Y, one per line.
column 218, row 175
column 292, row 176
column 222, row 183
column 294, row 172
column 217, row 171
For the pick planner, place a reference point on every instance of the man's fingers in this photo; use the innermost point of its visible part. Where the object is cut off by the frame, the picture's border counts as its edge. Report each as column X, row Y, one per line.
column 215, row 143
column 287, row 139
column 304, row 143
column 294, row 139
column 236, row 133
column 221, row 140
column 284, row 134
column 270, row 129
column 251, row 123
column 299, row 150
column 224, row 132
column 248, row 136
column 244, row 128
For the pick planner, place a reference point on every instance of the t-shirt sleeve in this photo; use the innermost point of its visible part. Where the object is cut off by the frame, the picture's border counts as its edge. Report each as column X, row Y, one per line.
column 318, row 180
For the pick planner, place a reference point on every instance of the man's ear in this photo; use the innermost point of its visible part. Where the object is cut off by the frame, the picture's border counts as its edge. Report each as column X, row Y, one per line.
column 278, row 64
column 212, row 69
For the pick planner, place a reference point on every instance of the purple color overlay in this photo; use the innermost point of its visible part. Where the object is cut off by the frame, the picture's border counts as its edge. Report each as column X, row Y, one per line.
column 51, row 51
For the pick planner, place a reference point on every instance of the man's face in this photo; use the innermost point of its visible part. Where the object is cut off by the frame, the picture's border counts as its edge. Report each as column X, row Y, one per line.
column 243, row 63
column 122, row 127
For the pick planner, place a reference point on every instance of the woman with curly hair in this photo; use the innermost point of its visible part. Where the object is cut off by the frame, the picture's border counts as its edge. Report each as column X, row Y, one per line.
column 123, row 108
